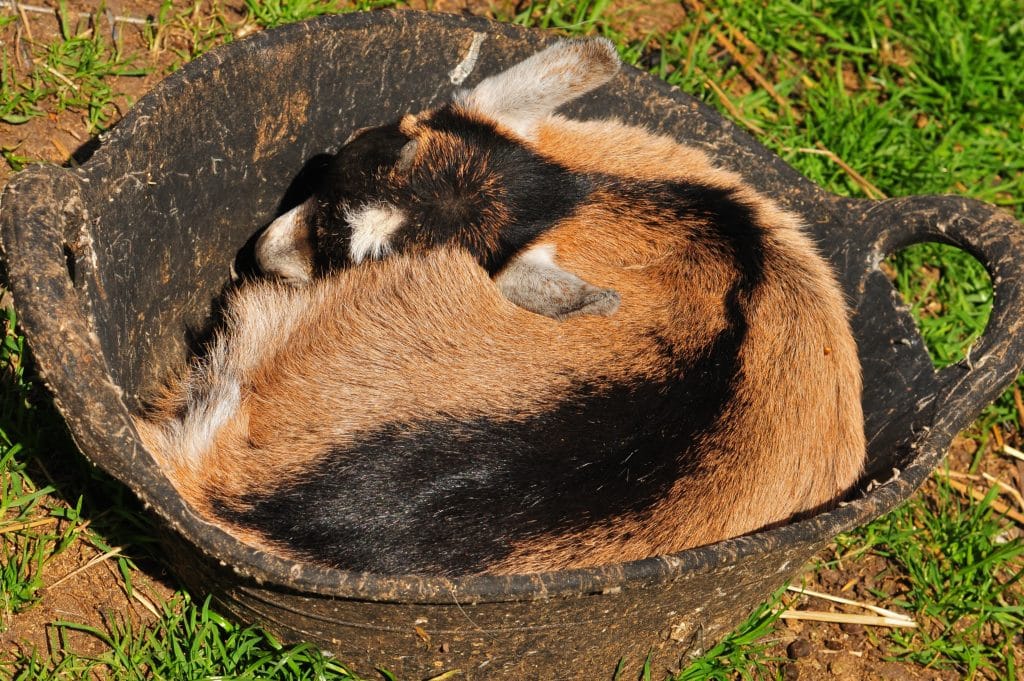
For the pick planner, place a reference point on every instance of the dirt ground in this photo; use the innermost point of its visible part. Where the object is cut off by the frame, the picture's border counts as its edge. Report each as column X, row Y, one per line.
column 90, row 591
column 83, row 589
column 818, row 651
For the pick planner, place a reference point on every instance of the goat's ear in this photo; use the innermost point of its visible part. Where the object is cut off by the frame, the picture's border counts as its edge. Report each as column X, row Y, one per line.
column 523, row 95
column 285, row 249
column 533, row 281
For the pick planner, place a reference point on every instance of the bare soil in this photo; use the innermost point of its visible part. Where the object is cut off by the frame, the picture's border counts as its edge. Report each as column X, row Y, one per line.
column 84, row 589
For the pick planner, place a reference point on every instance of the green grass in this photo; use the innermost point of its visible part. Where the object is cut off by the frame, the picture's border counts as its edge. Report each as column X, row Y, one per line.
column 187, row 32
column 34, row 529
column 950, row 297
column 189, row 641
column 580, row 17
column 271, row 13
column 960, row 571
column 927, row 101
column 744, row 653
column 78, row 71
column 918, row 97
column 14, row 160
column 73, row 72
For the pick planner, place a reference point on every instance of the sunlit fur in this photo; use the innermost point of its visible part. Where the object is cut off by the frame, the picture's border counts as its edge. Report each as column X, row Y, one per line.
column 405, row 416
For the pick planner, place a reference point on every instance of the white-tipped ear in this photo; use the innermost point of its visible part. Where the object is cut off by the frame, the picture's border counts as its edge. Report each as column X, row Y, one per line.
column 285, row 249
column 523, row 95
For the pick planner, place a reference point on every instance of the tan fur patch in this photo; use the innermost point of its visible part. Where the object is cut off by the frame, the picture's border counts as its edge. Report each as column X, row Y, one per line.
column 367, row 346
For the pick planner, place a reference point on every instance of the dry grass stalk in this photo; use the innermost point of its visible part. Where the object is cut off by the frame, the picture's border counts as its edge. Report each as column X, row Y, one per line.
column 753, row 73
column 1003, row 486
column 1015, row 453
column 732, row 108
column 451, row 674
column 116, row 551
column 869, row 189
column 997, row 435
column 61, row 76
column 24, row 23
column 18, row 49
column 846, row 618
column 22, row 8
column 696, row 6
column 146, row 603
column 61, row 149
column 133, row 593
column 1006, row 487
column 691, row 44
column 745, row 64
column 27, row 524
column 978, row 495
column 740, row 37
column 884, row 612
column 961, row 476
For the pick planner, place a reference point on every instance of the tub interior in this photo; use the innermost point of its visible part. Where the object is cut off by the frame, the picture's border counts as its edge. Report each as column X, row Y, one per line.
column 204, row 163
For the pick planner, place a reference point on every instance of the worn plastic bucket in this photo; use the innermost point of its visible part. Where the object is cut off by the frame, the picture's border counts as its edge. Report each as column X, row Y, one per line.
column 112, row 265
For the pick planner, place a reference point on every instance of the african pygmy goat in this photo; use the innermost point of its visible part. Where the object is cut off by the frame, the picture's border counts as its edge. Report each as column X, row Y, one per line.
column 396, row 405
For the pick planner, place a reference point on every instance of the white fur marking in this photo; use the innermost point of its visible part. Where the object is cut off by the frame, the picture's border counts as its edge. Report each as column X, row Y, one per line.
column 372, row 226
column 540, row 256
column 213, row 396
column 206, row 418
column 465, row 67
column 281, row 229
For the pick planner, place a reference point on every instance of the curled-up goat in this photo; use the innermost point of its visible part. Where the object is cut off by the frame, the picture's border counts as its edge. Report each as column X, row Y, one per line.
column 391, row 400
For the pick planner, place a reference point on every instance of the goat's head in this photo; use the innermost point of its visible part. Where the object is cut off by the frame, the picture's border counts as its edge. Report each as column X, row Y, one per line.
column 463, row 175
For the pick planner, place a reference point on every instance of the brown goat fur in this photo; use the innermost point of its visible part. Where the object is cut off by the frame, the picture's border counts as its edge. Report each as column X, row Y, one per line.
column 405, row 416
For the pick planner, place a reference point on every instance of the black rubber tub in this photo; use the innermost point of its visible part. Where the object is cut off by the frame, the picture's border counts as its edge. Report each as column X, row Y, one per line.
column 112, row 263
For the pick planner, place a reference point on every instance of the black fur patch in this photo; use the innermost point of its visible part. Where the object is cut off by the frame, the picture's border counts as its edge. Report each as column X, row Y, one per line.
column 498, row 172
column 492, row 196
column 454, row 496
column 355, row 174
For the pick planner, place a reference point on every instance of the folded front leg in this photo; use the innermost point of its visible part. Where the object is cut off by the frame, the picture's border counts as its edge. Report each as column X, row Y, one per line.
column 533, row 281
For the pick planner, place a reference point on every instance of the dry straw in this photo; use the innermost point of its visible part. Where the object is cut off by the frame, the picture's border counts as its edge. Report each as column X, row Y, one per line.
column 882, row 617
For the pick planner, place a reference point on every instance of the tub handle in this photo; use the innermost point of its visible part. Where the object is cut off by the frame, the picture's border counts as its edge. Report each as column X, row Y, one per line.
column 996, row 239
column 41, row 211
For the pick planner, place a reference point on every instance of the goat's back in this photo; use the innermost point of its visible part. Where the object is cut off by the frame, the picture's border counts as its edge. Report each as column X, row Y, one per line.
column 403, row 416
